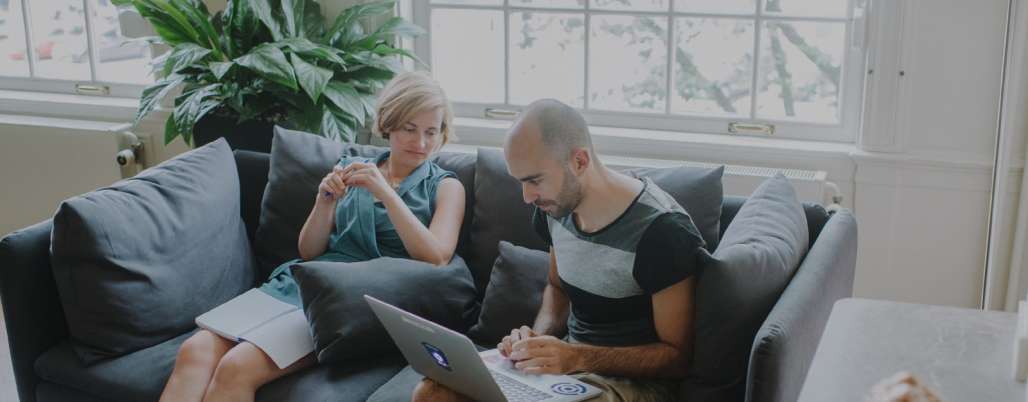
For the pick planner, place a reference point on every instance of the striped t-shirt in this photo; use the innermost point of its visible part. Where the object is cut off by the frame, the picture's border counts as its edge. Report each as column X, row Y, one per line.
column 611, row 274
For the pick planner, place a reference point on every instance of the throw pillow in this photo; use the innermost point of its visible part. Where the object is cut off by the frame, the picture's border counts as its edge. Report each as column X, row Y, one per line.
column 343, row 325
column 136, row 262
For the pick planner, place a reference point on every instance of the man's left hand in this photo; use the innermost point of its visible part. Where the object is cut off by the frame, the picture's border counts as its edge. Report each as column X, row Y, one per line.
column 546, row 355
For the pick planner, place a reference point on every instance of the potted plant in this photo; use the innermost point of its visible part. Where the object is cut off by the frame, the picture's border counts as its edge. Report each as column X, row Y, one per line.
column 264, row 62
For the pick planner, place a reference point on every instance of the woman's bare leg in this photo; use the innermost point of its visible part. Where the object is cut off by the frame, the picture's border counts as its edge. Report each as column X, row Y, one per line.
column 243, row 370
column 197, row 358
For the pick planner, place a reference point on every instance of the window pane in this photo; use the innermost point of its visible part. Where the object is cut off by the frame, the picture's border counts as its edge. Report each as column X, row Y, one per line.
column 631, row 5
column 471, row 2
column 806, row 8
column 800, row 71
column 628, row 63
column 548, row 3
column 13, row 60
column 59, row 36
column 117, row 60
column 716, row 6
column 713, row 66
column 467, row 54
column 547, row 57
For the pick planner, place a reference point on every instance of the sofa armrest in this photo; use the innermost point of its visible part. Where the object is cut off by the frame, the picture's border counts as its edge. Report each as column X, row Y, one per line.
column 785, row 344
column 32, row 309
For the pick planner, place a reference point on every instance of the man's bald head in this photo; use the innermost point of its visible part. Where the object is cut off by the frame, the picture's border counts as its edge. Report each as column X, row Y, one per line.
column 560, row 128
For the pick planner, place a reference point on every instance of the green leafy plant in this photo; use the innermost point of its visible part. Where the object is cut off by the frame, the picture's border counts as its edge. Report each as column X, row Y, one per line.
column 271, row 60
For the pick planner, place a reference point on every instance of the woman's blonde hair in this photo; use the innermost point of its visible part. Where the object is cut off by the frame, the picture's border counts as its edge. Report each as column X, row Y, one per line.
column 407, row 95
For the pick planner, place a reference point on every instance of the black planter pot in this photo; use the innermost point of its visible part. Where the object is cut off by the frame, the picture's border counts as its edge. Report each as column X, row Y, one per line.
column 252, row 135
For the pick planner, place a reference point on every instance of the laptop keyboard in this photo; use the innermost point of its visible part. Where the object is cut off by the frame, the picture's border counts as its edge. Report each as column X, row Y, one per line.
column 516, row 391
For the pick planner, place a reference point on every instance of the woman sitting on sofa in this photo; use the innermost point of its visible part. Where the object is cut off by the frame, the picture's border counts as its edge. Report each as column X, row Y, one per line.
column 399, row 204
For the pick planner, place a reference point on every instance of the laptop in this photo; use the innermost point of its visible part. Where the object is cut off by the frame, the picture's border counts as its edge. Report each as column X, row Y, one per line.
column 451, row 359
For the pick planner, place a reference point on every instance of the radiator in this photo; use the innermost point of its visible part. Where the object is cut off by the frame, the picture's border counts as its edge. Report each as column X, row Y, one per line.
column 45, row 160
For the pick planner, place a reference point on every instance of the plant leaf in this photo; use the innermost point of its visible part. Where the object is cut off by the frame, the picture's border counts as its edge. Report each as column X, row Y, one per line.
column 313, row 79
column 220, row 68
column 192, row 106
column 293, row 14
column 397, row 26
column 240, row 25
column 264, row 11
column 346, row 27
column 346, row 97
column 171, row 131
column 269, row 62
column 183, row 56
column 314, row 22
column 336, row 127
column 153, row 95
column 307, row 48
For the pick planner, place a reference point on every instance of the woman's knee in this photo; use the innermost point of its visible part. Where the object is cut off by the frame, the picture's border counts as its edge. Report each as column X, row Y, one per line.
column 243, row 366
column 203, row 348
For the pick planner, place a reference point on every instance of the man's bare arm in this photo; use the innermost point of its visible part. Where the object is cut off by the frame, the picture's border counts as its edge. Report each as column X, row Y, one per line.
column 553, row 313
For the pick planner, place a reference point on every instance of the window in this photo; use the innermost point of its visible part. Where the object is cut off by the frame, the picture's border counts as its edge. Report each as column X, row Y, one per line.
column 69, row 46
column 712, row 66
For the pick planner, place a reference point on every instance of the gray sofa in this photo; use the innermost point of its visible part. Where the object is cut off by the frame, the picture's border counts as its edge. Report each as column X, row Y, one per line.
column 47, row 369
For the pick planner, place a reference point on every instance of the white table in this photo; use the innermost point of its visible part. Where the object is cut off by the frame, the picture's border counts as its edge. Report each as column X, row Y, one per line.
column 963, row 355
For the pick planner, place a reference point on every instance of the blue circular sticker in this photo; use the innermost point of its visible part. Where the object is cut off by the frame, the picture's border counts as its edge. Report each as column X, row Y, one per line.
column 564, row 388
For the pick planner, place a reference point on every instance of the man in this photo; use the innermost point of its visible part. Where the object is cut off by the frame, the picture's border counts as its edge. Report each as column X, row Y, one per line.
column 623, row 257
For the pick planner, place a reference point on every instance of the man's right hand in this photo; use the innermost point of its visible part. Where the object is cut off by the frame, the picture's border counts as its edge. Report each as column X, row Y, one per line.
column 332, row 187
column 506, row 346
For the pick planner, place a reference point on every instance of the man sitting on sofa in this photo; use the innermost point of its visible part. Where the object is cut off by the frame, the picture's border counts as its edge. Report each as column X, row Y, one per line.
column 623, row 259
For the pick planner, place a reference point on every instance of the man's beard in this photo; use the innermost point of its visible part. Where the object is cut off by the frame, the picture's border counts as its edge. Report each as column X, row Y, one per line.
column 568, row 199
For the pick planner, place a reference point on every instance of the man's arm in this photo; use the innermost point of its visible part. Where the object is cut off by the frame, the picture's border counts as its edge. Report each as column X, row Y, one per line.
column 673, row 317
column 553, row 313
column 552, row 318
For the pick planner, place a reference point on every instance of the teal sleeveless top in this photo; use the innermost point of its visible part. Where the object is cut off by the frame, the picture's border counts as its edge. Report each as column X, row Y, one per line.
column 363, row 230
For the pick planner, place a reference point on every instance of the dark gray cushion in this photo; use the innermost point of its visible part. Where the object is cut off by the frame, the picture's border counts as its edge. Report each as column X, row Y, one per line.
column 514, row 294
column 757, row 256
column 141, row 375
column 501, row 214
column 343, row 324
column 298, row 163
column 136, row 262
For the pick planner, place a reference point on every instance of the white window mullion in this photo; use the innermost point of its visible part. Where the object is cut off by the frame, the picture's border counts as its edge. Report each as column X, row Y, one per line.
column 30, row 51
column 670, row 57
column 757, row 30
column 506, row 52
column 588, row 33
column 90, row 43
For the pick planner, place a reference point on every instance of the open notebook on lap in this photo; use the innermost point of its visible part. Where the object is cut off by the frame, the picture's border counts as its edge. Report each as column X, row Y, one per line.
column 278, row 328
column 451, row 359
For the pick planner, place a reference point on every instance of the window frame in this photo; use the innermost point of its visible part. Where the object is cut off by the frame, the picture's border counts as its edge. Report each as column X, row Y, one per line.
column 852, row 75
column 90, row 87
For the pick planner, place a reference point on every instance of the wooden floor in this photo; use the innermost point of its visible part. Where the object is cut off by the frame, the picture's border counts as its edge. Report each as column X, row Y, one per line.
column 8, row 393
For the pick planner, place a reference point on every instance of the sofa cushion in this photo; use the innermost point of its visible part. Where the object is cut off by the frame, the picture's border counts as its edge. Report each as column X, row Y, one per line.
column 757, row 256
column 141, row 375
column 501, row 214
column 514, row 294
column 137, row 261
column 299, row 161
column 343, row 325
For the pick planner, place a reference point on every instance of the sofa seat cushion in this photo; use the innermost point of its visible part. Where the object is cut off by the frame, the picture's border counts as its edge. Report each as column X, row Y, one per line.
column 140, row 376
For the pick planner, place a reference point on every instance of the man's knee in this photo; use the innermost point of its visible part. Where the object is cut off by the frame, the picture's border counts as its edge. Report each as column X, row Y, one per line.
column 428, row 390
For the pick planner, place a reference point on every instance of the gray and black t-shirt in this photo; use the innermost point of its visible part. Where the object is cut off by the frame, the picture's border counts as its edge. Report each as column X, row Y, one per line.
column 611, row 274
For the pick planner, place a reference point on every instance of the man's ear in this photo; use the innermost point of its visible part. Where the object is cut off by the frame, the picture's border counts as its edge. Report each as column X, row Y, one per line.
column 580, row 160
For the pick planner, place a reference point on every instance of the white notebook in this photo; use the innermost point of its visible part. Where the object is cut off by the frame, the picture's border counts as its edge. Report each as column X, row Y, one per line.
column 278, row 328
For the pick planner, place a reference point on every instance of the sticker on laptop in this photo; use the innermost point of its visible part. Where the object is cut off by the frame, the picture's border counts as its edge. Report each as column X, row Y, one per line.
column 565, row 388
column 437, row 356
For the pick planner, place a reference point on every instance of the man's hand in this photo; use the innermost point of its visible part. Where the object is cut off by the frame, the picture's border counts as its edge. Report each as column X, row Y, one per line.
column 545, row 355
column 506, row 346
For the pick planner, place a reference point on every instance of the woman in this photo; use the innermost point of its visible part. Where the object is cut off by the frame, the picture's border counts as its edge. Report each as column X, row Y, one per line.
column 399, row 204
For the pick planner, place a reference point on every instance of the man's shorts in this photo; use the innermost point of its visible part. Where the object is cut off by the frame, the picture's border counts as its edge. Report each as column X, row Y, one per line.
column 621, row 389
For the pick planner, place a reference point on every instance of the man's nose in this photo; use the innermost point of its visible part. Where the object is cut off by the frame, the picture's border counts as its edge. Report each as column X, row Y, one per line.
column 528, row 195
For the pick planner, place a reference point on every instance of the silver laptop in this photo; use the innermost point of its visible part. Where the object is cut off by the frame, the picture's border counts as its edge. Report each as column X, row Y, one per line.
column 451, row 359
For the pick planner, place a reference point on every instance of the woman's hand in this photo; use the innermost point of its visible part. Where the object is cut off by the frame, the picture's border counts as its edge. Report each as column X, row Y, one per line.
column 332, row 187
column 368, row 177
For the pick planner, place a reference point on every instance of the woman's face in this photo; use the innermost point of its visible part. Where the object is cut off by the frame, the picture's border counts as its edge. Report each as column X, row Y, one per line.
column 416, row 140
